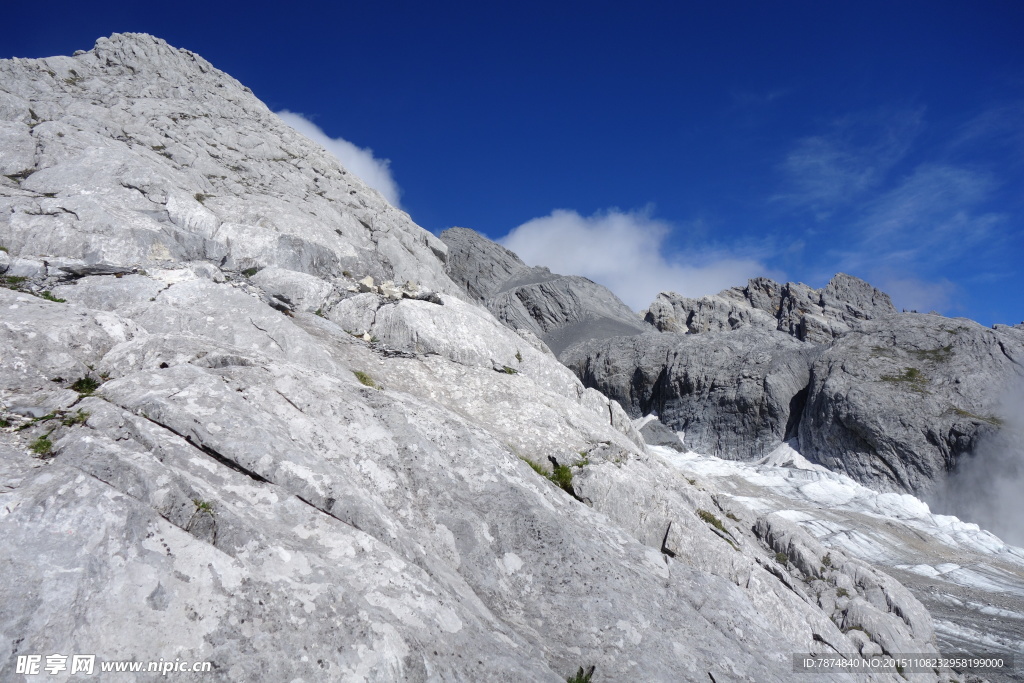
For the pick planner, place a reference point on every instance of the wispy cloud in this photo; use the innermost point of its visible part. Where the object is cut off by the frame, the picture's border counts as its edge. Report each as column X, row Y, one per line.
column 933, row 214
column 626, row 252
column 836, row 167
column 358, row 160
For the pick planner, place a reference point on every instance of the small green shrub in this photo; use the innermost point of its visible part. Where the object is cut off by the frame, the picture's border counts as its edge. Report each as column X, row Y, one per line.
column 365, row 379
column 827, row 560
column 42, row 446
column 4, row 424
column 202, row 505
column 201, row 198
column 48, row 295
column 519, row 356
column 509, row 371
column 85, row 386
column 4, row 249
column 782, row 558
column 732, row 516
column 843, row 593
column 582, row 676
column 249, row 272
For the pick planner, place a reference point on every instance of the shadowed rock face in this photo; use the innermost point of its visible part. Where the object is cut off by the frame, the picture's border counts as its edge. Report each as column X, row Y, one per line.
column 561, row 310
column 896, row 403
column 243, row 480
column 734, row 394
column 815, row 315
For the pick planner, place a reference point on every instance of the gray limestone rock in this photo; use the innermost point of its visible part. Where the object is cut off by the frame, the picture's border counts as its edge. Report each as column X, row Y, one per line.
column 897, row 403
column 734, row 394
column 561, row 310
column 135, row 154
column 251, row 485
column 815, row 315
column 657, row 434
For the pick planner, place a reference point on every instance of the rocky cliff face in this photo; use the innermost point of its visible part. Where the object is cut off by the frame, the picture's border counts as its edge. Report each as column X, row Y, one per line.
column 894, row 400
column 815, row 315
column 221, row 441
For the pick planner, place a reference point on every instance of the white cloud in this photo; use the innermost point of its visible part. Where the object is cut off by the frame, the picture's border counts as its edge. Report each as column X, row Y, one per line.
column 625, row 251
column 358, row 160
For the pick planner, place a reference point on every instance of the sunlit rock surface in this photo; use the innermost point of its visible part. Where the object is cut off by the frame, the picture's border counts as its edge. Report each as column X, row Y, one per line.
column 248, row 419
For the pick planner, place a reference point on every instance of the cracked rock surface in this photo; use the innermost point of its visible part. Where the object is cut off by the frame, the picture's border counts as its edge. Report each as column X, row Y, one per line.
column 215, row 448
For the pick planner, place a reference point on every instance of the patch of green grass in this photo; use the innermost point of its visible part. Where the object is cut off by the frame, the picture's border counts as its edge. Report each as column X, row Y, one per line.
column 934, row 355
column 827, row 560
column 36, row 420
column 991, row 419
column 842, row 592
column 365, row 379
column 42, row 446
column 912, row 378
column 508, row 371
column 12, row 282
column 4, row 424
column 535, row 466
column 582, row 676
column 85, row 386
column 320, row 312
column 48, row 295
column 562, row 476
column 203, row 505
column 782, row 558
column 519, row 356
column 712, row 520
column 249, row 272
column 4, row 249
column 732, row 516
column 78, row 418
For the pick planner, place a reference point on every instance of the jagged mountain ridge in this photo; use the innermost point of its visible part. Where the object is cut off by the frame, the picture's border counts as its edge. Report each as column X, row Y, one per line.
column 198, row 466
column 895, row 400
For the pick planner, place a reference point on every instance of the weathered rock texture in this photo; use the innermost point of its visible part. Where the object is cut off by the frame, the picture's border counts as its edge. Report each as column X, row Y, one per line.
column 734, row 394
column 896, row 403
column 561, row 310
column 196, row 466
column 815, row 315
column 894, row 400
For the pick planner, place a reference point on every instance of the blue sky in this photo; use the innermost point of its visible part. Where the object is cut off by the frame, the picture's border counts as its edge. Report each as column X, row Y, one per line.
column 650, row 146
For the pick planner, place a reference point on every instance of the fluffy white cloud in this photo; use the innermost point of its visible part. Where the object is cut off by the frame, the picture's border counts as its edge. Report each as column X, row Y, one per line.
column 358, row 160
column 625, row 251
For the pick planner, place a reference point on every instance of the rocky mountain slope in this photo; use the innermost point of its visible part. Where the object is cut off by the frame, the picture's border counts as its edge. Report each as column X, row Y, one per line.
column 562, row 310
column 894, row 400
column 225, row 439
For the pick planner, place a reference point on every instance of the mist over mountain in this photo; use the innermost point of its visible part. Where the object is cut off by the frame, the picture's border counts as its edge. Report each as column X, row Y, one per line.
column 255, row 417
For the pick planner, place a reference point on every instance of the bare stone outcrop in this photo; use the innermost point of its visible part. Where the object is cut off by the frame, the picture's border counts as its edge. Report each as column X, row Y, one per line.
column 196, row 464
column 814, row 315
